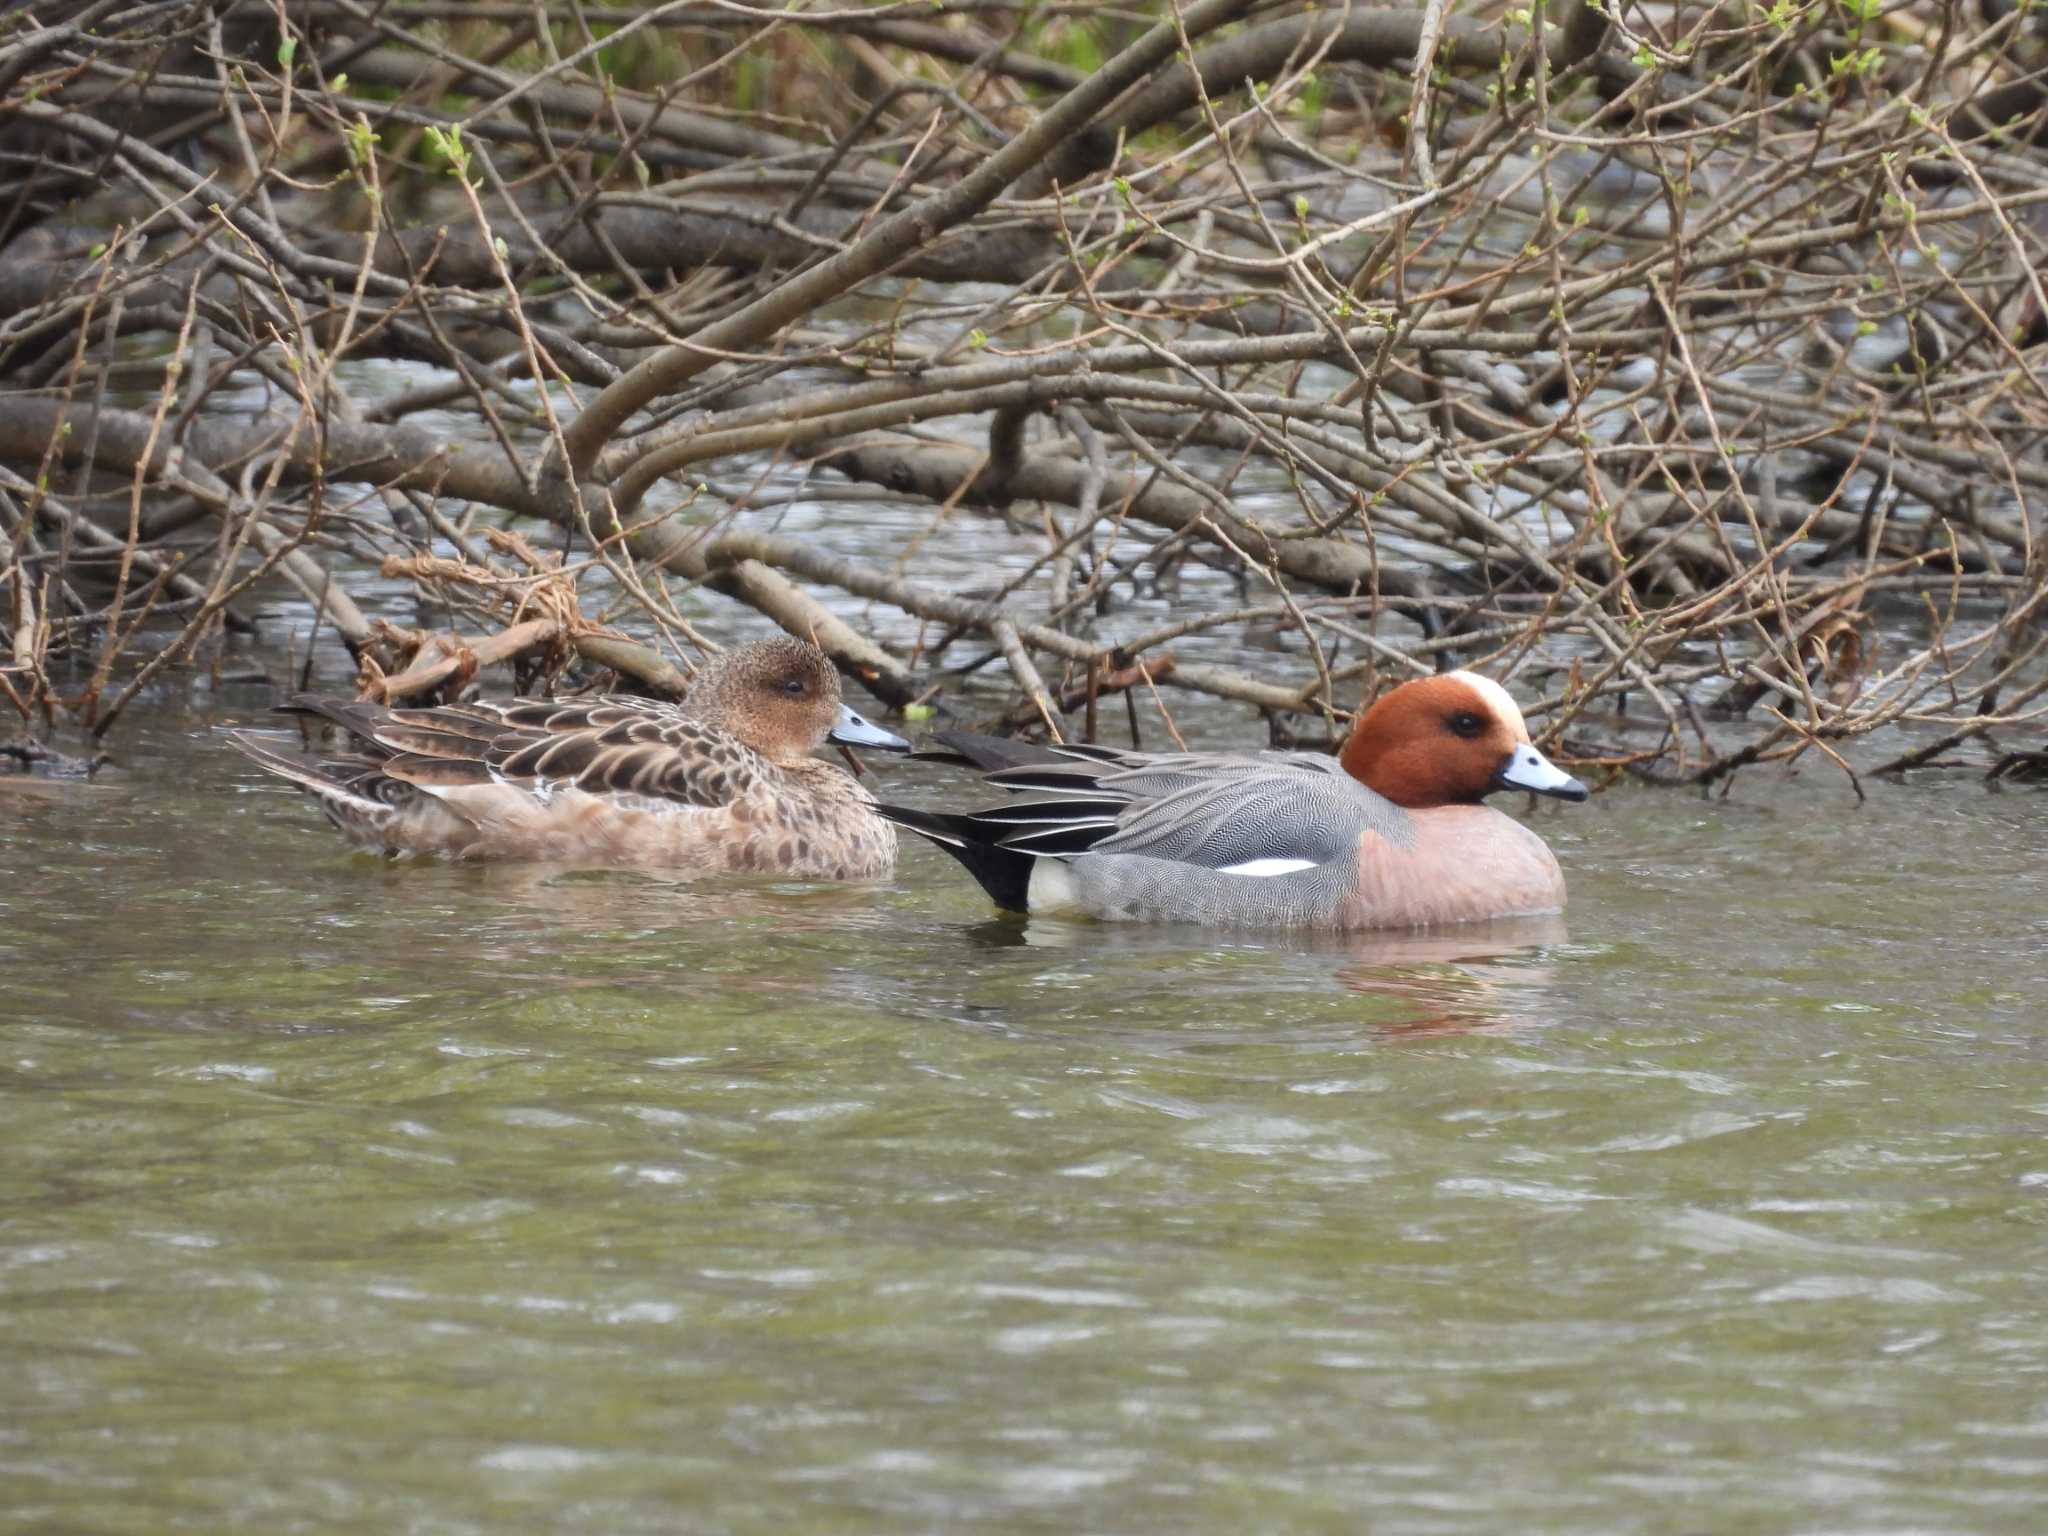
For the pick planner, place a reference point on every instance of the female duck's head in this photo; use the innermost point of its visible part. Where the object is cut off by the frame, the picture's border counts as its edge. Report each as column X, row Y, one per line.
column 780, row 697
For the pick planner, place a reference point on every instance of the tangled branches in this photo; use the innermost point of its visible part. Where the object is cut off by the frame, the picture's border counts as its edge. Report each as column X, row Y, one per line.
column 1687, row 362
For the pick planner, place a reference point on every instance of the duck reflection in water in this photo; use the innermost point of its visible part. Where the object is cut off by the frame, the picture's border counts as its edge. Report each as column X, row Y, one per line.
column 1479, row 976
column 1454, row 980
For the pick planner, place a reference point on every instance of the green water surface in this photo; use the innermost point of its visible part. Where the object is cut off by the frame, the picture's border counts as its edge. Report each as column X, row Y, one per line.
column 352, row 1196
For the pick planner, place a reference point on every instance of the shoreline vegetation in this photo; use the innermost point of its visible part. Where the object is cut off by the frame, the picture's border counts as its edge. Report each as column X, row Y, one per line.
column 1691, row 363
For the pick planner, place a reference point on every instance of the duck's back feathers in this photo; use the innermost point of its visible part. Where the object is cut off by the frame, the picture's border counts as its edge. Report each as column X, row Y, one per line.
column 605, row 747
column 612, row 781
column 1205, row 809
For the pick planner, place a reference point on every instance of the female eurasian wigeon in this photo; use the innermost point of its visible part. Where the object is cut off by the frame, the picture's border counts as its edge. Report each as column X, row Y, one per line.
column 722, row 782
column 1390, row 834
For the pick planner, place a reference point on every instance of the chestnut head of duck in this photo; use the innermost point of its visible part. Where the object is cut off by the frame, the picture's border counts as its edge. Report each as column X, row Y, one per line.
column 1452, row 739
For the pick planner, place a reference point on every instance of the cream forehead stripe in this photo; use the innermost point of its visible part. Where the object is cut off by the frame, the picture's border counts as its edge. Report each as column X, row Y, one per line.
column 1497, row 699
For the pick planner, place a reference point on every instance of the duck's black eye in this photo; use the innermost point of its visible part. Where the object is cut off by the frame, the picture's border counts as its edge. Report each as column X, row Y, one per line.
column 793, row 686
column 1465, row 723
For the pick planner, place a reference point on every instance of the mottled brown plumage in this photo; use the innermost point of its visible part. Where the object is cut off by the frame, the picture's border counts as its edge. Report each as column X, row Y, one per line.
column 722, row 782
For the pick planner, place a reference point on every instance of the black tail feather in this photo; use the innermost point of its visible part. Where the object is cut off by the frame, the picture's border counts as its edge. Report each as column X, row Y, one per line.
column 1004, row 754
column 1000, row 846
column 1073, row 837
column 971, row 749
column 1005, row 873
column 1061, row 810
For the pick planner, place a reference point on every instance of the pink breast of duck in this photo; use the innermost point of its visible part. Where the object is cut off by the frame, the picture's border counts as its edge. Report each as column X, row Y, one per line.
column 1465, row 863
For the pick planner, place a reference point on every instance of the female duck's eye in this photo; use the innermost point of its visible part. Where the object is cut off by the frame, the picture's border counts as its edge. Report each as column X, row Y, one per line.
column 793, row 686
column 1465, row 723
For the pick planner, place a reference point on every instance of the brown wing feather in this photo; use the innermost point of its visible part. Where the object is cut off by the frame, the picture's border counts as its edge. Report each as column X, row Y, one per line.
column 406, row 737
column 452, row 730
column 603, row 746
column 668, row 758
column 428, row 771
column 445, row 732
column 579, row 714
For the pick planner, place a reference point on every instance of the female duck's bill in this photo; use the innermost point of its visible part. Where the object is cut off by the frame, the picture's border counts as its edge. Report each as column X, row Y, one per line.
column 1390, row 834
column 722, row 782
column 852, row 730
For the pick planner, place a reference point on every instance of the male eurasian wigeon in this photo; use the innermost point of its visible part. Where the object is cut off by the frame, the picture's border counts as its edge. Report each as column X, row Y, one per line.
column 722, row 782
column 1390, row 834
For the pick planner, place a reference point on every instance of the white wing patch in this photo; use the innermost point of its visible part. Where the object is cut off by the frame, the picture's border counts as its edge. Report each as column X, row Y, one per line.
column 1266, row 867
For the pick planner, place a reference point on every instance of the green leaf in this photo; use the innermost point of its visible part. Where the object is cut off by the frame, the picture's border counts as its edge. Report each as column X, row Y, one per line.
column 447, row 143
column 361, row 140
